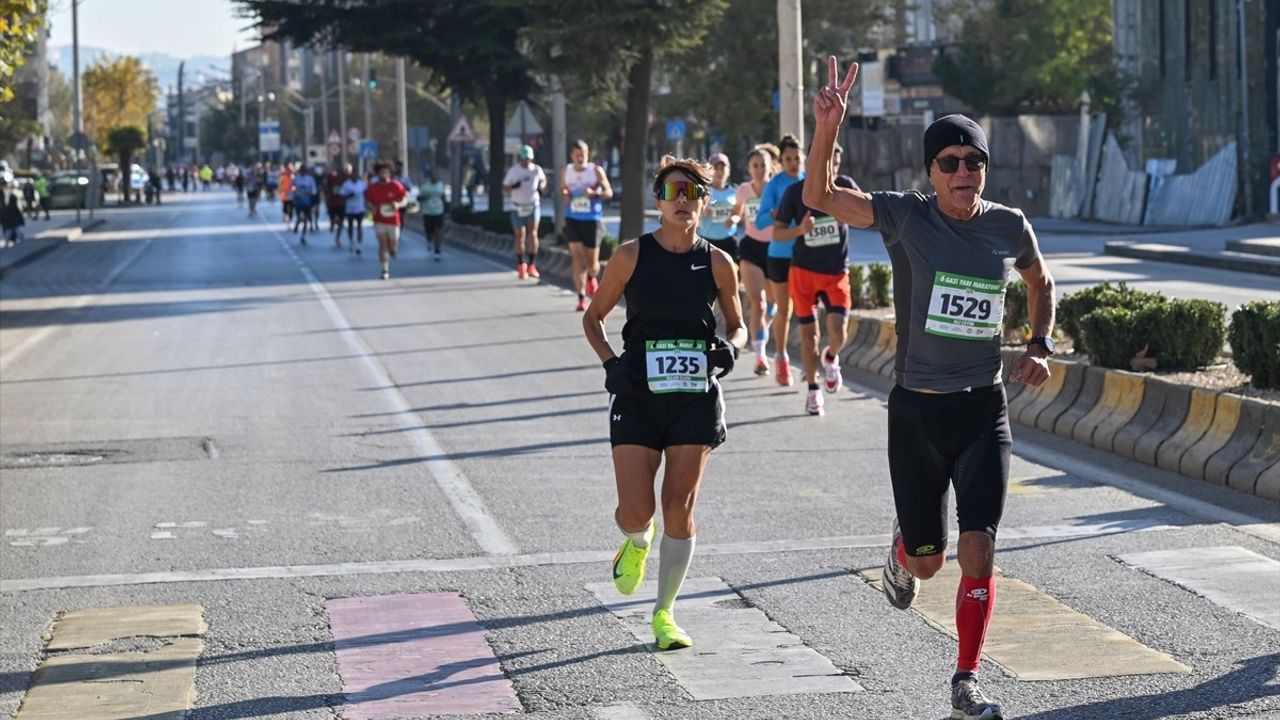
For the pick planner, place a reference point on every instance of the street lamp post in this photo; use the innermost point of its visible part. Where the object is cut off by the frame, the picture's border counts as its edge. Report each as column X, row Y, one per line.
column 76, row 107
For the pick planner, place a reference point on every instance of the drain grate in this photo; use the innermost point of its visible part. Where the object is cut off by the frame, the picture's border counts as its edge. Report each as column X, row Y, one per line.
column 56, row 455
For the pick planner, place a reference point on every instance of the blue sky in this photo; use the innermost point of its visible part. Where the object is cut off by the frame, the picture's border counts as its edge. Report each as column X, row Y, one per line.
column 181, row 28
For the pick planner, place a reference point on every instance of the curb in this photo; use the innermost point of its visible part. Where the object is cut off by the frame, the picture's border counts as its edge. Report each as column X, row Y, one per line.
column 1178, row 254
column 1269, row 248
column 44, row 243
column 1208, row 435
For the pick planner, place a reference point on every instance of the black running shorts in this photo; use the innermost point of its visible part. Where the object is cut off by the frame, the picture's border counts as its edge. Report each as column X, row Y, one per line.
column 777, row 269
column 729, row 245
column 755, row 252
column 586, row 232
column 660, row 421
column 431, row 223
column 937, row 441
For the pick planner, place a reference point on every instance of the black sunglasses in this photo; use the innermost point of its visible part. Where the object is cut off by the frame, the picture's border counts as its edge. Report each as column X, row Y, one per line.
column 951, row 163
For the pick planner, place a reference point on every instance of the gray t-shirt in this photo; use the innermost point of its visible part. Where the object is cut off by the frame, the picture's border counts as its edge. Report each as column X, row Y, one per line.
column 949, row 278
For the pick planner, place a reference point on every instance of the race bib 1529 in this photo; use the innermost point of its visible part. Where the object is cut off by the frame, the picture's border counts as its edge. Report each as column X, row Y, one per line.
column 965, row 307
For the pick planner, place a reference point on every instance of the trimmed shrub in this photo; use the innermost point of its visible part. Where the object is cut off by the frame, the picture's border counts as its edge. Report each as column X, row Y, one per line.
column 1174, row 335
column 879, row 277
column 857, row 279
column 1017, row 316
column 1255, row 342
column 1072, row 308
column 608, row 244
column 493, row 222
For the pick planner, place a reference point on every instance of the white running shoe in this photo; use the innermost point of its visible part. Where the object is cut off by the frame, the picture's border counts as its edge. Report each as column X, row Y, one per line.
column 831, row 373
column 813, row 405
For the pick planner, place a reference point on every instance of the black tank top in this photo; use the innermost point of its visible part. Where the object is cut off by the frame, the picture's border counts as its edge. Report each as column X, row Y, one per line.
column 669, row 296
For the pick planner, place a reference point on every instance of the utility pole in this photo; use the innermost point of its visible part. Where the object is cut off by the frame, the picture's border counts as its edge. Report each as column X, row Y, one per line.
column 455, row 151
column 182, row 116
column 1246, row 162
column 790, row 79
column 402, row 116
column 76, row 106
column 342, row 103
column 559, row 151
column 324, row 98
column 368, row 101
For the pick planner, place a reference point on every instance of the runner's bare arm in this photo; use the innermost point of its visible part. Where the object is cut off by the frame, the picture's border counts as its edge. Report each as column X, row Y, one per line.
column 851, row 207
column 783, row 233
column 1032, row 368
column 617, row 272
column 726, row 275
column 604, row 189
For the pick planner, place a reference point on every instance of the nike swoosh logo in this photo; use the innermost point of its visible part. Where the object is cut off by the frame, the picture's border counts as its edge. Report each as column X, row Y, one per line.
column 697, row 267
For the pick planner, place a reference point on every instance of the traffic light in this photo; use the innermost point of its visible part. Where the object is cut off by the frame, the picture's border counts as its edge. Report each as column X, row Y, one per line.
column 373, row 79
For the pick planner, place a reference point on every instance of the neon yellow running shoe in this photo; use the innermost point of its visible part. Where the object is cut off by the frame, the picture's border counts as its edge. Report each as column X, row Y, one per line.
column 667, row 633
column 629, row 563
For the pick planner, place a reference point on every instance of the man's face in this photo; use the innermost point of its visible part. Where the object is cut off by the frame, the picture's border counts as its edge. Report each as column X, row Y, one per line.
column 963, row 187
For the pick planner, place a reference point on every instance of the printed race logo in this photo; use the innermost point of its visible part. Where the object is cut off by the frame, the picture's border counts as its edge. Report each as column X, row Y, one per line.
column 979, row 594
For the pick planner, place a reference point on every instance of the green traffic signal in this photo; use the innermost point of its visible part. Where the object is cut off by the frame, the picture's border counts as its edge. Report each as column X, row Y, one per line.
column 373, row 79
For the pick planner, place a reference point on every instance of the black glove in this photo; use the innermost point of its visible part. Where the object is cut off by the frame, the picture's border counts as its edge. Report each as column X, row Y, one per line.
column 721, row 355
column 618, row 378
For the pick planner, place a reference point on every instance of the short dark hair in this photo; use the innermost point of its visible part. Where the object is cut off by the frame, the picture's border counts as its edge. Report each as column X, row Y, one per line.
column 788, row 141
column 697, row 172
column 581, row 144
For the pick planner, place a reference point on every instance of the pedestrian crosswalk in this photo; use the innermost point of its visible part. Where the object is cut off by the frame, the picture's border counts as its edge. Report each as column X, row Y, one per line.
column 428, row 654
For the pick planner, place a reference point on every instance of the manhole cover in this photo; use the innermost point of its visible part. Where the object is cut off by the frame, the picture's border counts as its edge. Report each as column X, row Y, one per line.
column 68, row 455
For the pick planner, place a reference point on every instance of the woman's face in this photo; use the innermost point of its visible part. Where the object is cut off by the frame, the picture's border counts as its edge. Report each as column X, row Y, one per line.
column 719, row 174
column 579, row 155
column 758, row 166
column 684, row 210
column 792, row 160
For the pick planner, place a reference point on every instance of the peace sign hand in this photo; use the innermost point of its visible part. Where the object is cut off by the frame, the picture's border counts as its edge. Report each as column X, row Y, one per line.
column 830, row 102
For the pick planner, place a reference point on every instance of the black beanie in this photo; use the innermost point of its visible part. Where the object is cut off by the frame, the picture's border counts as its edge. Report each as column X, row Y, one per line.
column 952, row 130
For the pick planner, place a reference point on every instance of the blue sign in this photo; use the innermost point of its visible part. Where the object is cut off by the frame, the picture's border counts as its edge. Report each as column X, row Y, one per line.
column 675, row 130
column 368, row 149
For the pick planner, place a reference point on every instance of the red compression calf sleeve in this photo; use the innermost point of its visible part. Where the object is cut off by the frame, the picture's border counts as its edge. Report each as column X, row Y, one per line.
column 975, row 600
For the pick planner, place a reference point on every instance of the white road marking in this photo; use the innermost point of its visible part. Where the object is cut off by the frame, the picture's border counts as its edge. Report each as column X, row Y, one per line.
column 1233, row 577
column 494, row 562
column 33, row 339
column 163, row 535
column 619, row 712
column 45, row 536
column 466, row 502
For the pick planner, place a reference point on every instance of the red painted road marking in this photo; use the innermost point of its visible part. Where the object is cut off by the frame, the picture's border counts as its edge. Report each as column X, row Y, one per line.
column 421, row 654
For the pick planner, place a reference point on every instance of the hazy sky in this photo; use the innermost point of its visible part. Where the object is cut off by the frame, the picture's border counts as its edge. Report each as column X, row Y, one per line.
column 182, row 28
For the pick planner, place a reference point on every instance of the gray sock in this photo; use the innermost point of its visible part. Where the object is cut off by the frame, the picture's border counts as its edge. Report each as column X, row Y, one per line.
column 673, row 564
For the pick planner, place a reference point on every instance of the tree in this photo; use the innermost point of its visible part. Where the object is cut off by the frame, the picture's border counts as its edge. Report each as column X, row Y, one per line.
column 221, row 132
column 595, row 45
column 20, row 23
column 1030, row 56
column 123, row 142
column 116, row 93
column 470, row 44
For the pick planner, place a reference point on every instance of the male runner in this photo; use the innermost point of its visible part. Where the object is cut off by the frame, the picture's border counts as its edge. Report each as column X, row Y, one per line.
column 952, row 254
column 525, row 182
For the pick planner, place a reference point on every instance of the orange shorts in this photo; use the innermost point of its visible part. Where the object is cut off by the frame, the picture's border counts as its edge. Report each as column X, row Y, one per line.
column 807, row 288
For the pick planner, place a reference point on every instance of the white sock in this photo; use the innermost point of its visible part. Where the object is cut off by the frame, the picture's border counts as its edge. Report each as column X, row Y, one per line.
column 639, row 539
column 673, row 565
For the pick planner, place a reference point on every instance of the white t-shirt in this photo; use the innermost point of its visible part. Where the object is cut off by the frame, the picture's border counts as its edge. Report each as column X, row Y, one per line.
column 353, row 191
column 525, row 195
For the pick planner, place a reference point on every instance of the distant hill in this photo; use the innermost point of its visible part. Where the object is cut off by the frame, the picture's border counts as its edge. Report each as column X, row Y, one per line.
column 165, row 67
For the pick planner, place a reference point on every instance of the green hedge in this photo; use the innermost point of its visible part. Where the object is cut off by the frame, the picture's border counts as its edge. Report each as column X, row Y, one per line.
column 608, row 244
column 1255, row 342
column 857, row 283
column 879, row 277
column 493, row 222
column 1073, row 307
column 1017, row 316
column 1177, row 334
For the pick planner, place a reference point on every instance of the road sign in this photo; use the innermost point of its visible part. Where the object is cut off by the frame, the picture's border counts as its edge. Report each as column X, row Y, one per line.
column 269, row 136
column 462, row 132
column 334, row 137
column 419, row 137
column 522, row 122
column 353, row 134
column 675, row 130
column 334, row 148
column 368, row 149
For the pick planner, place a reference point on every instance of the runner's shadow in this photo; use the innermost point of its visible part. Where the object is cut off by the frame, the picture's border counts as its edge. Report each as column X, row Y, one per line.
column 494, row 453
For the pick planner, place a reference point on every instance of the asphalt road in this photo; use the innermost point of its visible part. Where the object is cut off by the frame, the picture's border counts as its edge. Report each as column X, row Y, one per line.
column 196, row 410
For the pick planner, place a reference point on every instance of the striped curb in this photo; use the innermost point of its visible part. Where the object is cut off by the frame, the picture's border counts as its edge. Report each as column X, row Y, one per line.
column 1090, row 394
column 1199, row 418
column 1122, row 395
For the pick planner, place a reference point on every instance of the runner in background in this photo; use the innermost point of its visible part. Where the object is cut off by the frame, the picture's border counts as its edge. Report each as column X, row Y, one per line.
column 431, row 197
column 385, row 198
column 778, row 263
column 525, row 182
column 585, row 188
column 353, row 191
column 719, row 223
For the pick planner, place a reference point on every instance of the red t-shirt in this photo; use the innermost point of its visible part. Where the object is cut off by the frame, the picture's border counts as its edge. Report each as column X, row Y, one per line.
column 382, row 198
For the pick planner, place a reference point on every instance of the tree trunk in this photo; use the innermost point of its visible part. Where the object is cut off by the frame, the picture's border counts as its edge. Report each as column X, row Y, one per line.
column 496, row 103
column 635, row 195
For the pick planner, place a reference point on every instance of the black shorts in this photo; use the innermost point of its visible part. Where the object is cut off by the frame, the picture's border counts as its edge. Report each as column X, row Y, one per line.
column 729, row 245
column 586, row 232
column 431, row 223
column 936, row 441
column 356, row 218
column 660, row 421
column 755, row 252
column 777, row 269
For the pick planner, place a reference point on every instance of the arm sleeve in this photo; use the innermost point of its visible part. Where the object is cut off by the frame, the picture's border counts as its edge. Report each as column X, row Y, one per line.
column 1028, row 245
column 764, row 219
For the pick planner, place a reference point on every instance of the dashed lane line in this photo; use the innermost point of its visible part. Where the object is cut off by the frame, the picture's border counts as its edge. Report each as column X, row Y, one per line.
column 494, row 562
column 466, row 502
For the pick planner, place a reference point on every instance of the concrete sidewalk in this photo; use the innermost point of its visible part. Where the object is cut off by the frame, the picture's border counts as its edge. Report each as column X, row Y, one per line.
column 42, row 236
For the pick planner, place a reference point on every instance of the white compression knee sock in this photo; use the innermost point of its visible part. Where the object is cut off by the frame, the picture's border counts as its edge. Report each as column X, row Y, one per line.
column 673, row 564
column 639, row 539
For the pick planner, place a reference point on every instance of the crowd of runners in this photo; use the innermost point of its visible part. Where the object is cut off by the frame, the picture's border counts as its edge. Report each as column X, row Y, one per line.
column 728, row 268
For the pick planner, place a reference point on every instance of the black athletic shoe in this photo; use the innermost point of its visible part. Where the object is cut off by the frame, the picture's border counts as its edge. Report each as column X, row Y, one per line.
column 969, row 703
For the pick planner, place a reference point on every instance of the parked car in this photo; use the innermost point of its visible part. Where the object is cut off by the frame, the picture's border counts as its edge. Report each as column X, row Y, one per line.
column 67, row 189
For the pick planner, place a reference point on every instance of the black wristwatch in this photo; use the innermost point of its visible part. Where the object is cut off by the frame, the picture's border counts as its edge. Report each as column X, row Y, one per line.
column 1042, row 341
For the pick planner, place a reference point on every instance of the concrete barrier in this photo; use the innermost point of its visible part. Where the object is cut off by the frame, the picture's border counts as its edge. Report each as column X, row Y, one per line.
column 1085, row 400
column 1253, row 418
column 885, row 344
column 1051, row 408
column 1226, row 416
column 1154, row 394
column 861, row 332
column 1199, row 418
column 1034, row 399
column 1177, row 403
column 1259, row 471
column 1122, row 395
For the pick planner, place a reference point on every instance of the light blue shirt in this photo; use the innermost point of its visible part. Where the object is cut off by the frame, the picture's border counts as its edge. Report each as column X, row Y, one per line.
column 712, row 226
column 769, row 201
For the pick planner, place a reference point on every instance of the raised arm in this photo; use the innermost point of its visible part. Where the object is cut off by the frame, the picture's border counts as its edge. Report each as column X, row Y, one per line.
column 851, row 207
